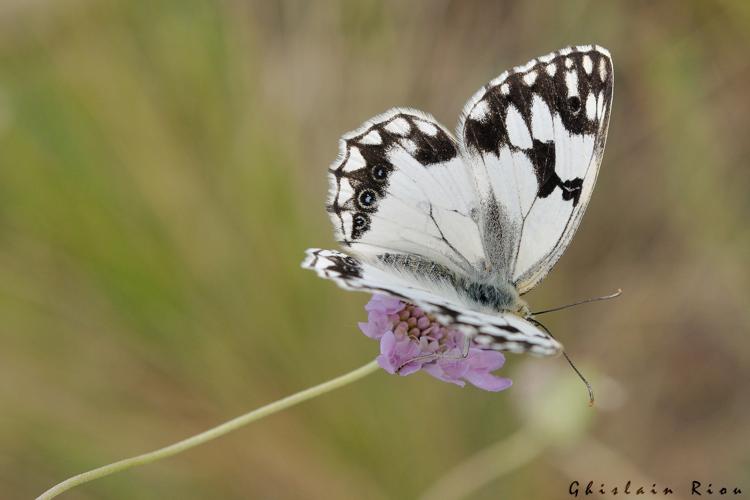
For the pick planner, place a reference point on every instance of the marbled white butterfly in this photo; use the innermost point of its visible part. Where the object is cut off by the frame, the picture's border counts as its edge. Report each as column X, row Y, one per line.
column 463, row 226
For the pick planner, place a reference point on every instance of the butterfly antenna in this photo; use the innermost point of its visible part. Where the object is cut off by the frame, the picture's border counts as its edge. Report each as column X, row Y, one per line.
column 580, row 375
column 570, row 362
column 595, row 299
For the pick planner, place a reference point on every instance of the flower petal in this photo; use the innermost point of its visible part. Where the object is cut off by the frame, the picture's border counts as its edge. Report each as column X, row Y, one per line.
column 454, row 366
column 387, row 347
column 481, row 363
column 436, row 371
column 372, row 329
column 488, row 381
column 396, row 355
column 482, row 359
column 384, row 304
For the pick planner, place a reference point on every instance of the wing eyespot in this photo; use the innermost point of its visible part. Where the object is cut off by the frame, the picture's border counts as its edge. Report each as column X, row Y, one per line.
column 574, row 103
column 379, row 173
column 360, row 221
column 366, row 199
column 360, row 224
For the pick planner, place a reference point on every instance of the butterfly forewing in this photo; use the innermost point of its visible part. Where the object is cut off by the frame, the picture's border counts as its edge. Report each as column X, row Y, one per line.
column 533, row 139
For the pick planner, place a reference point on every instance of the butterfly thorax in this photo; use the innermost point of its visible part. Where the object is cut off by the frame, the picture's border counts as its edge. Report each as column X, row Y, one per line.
column 499, row 297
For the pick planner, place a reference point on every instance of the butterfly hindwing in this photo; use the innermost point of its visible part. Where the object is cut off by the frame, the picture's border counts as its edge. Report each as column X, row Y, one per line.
column 400, row 186
column 533, row 139
column 500, row 331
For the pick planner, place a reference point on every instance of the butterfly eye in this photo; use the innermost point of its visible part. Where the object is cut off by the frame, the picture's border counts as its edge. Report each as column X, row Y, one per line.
column 379, row 173
column 367, row 198
column 574, row 102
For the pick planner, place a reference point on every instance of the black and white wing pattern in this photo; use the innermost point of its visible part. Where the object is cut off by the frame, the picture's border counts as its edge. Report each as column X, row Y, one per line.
column 461, row 226
column 400, row 186
column 499, row 331
column 533, row 139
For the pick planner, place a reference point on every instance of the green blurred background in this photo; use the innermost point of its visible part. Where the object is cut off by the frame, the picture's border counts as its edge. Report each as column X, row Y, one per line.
column 162, row 169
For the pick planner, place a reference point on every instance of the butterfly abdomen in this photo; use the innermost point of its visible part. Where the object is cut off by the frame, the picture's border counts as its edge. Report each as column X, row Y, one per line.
column 418, row 266
column 477, row 291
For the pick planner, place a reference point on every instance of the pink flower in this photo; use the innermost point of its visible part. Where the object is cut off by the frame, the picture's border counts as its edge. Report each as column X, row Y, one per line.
column 381, row 311
column 411, row 340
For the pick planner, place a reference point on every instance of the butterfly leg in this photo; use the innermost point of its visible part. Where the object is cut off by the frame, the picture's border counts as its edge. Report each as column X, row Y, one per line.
column 422, row 357
column 465, row 346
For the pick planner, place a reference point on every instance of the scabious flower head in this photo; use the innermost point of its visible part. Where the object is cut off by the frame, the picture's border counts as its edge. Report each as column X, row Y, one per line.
column 411, row 340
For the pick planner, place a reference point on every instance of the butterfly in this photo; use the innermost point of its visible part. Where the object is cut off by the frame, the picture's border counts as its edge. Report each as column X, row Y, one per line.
column 462, row 226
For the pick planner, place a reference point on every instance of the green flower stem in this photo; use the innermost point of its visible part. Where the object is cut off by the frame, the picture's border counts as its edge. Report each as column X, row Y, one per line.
column 212, row 433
